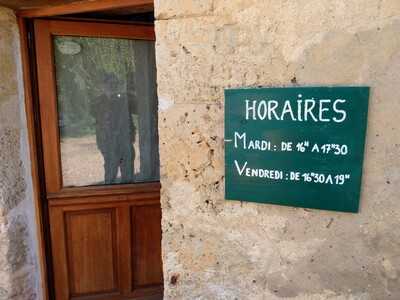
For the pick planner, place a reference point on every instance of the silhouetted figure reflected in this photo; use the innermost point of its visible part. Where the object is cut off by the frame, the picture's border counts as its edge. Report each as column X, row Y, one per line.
column 115, row 132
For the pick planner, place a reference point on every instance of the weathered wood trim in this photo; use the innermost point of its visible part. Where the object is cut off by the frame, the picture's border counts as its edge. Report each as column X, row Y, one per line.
column 34, row 155
column 84, row 6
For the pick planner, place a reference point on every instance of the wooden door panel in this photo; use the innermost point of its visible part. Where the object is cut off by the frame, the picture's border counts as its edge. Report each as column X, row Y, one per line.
column 59, row 253
column 107, row 250
column 85, row 243
column 91, row 251
column 146, row 230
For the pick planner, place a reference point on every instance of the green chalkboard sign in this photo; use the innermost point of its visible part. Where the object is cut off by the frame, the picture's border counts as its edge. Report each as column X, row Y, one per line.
column 299, row 146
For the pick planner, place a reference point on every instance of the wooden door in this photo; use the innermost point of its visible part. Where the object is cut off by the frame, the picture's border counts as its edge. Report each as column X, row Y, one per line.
column 98, row 115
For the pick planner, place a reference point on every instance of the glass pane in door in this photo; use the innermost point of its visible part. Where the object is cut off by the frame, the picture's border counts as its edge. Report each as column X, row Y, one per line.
column 107, row 110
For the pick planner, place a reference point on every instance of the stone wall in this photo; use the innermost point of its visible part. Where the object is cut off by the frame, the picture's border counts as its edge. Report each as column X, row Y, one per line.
column 214, row 249
column 18, row 263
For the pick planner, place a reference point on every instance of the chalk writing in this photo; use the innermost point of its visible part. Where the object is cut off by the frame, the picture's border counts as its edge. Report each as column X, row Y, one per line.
column 244, row 170
column 296, row 146
column 242, row 141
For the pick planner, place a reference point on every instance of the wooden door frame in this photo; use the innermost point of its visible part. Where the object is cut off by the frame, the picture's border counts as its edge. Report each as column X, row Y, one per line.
column 33, row 120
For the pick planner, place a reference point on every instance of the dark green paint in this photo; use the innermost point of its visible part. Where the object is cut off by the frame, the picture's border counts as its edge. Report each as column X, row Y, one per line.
column 350, row 132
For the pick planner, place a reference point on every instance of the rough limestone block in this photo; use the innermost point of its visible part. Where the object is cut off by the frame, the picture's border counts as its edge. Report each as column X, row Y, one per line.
column 12, row 184
column 182, row 8
column 217, row 249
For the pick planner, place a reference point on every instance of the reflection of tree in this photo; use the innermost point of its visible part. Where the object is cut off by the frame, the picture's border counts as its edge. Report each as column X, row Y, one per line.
column 80, row 80
column 79, row 77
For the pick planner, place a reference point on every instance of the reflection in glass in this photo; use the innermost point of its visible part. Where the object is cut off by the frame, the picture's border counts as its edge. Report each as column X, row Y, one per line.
column 107, row 106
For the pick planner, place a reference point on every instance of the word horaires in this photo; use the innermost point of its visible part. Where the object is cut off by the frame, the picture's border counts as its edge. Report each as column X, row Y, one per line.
column 322, row 110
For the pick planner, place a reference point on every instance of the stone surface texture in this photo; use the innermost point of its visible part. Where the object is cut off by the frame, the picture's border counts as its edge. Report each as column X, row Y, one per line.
column 18, row 260
column 215, row 249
